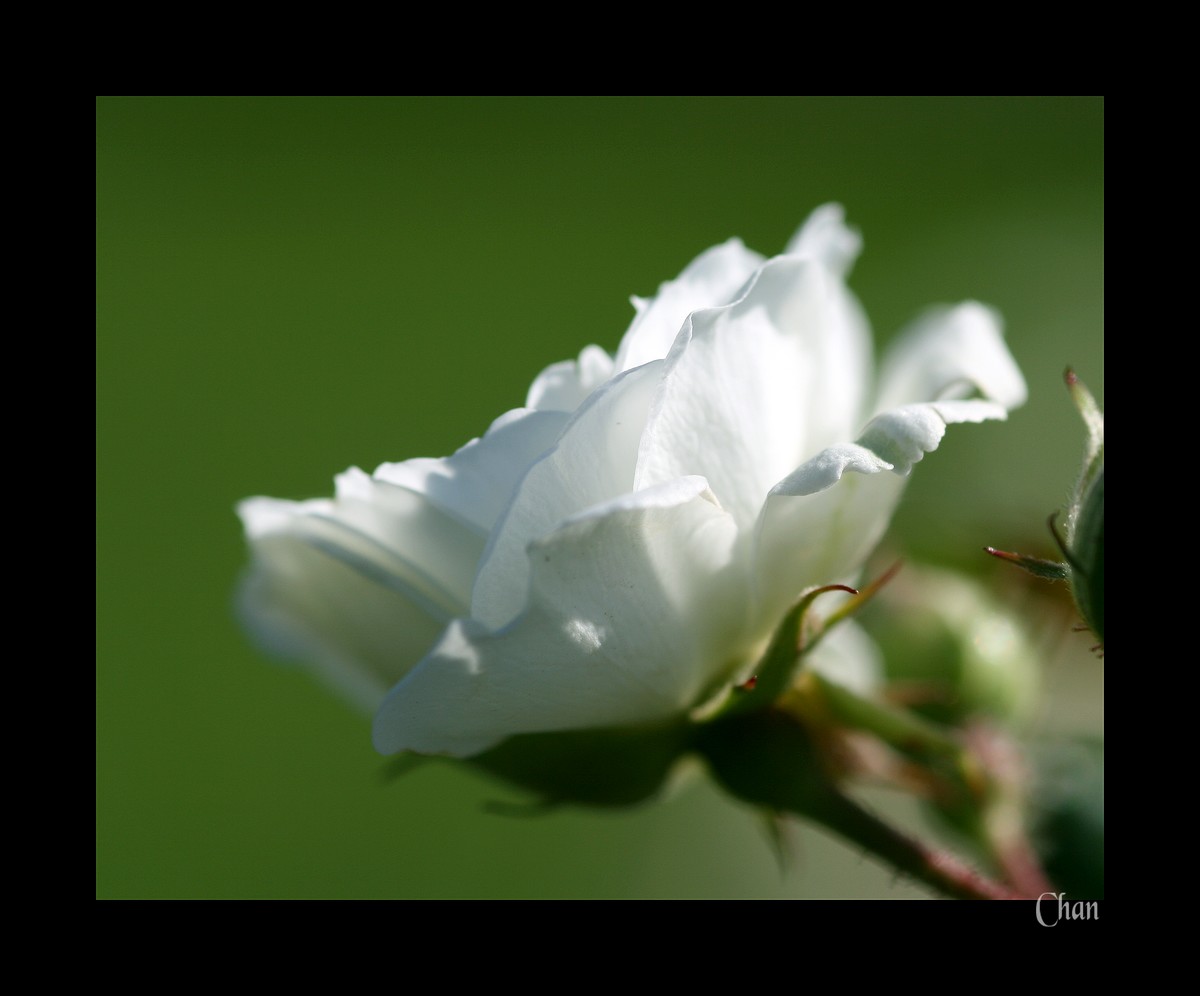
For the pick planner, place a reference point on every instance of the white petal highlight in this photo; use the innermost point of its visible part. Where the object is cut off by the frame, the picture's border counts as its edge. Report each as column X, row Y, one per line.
column 636, row 610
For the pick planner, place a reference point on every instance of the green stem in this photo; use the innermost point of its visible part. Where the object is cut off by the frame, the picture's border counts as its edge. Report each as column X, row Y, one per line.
column 940, row 870
column 903, row 730
column 985, row 767
column 769, row 760
column 1002, row 817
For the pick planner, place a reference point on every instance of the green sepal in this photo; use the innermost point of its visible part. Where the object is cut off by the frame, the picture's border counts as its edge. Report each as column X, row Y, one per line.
column 1087, row 557
column 907, row 732
column 768, row 759
column 1084, row 546
column 1049, row 569
column 605, row 768
column 1093, row 421
column 779, row 664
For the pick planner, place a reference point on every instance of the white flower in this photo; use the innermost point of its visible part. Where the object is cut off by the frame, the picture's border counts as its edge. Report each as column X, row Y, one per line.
column 622, row 548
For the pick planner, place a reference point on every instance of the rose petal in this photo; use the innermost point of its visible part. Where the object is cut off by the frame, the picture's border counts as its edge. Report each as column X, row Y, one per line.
column 634, row 615
column 477, row 482
column 362, row 585
column 319, row 591
column 751, row 388
column 826, row 237
column 820, row 523
column 592, row 462
column 712, row 279
column 563, row 386
column 950, row 353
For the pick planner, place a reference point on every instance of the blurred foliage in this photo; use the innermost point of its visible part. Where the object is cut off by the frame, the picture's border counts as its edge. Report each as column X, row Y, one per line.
column 1068, row 814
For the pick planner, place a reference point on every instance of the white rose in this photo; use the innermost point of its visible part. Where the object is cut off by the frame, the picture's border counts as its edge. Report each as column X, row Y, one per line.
column 620, row 550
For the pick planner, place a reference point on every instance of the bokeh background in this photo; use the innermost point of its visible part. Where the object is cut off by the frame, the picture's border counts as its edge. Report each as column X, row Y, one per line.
column 286, row 287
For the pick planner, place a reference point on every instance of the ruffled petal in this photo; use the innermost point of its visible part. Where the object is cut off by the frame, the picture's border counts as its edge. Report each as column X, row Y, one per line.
column 950, row 353
column 563, row 386
column 636, row 611
column 712, row 279
column 820, row 523
column 750, row 388
column 592, row 462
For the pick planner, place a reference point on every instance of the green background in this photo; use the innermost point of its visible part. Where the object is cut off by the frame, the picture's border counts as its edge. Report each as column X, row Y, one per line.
column 286, row 287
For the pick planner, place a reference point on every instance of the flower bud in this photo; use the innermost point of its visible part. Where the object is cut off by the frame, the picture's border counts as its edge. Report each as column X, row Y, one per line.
column 1084, row 548
column 952, row 650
